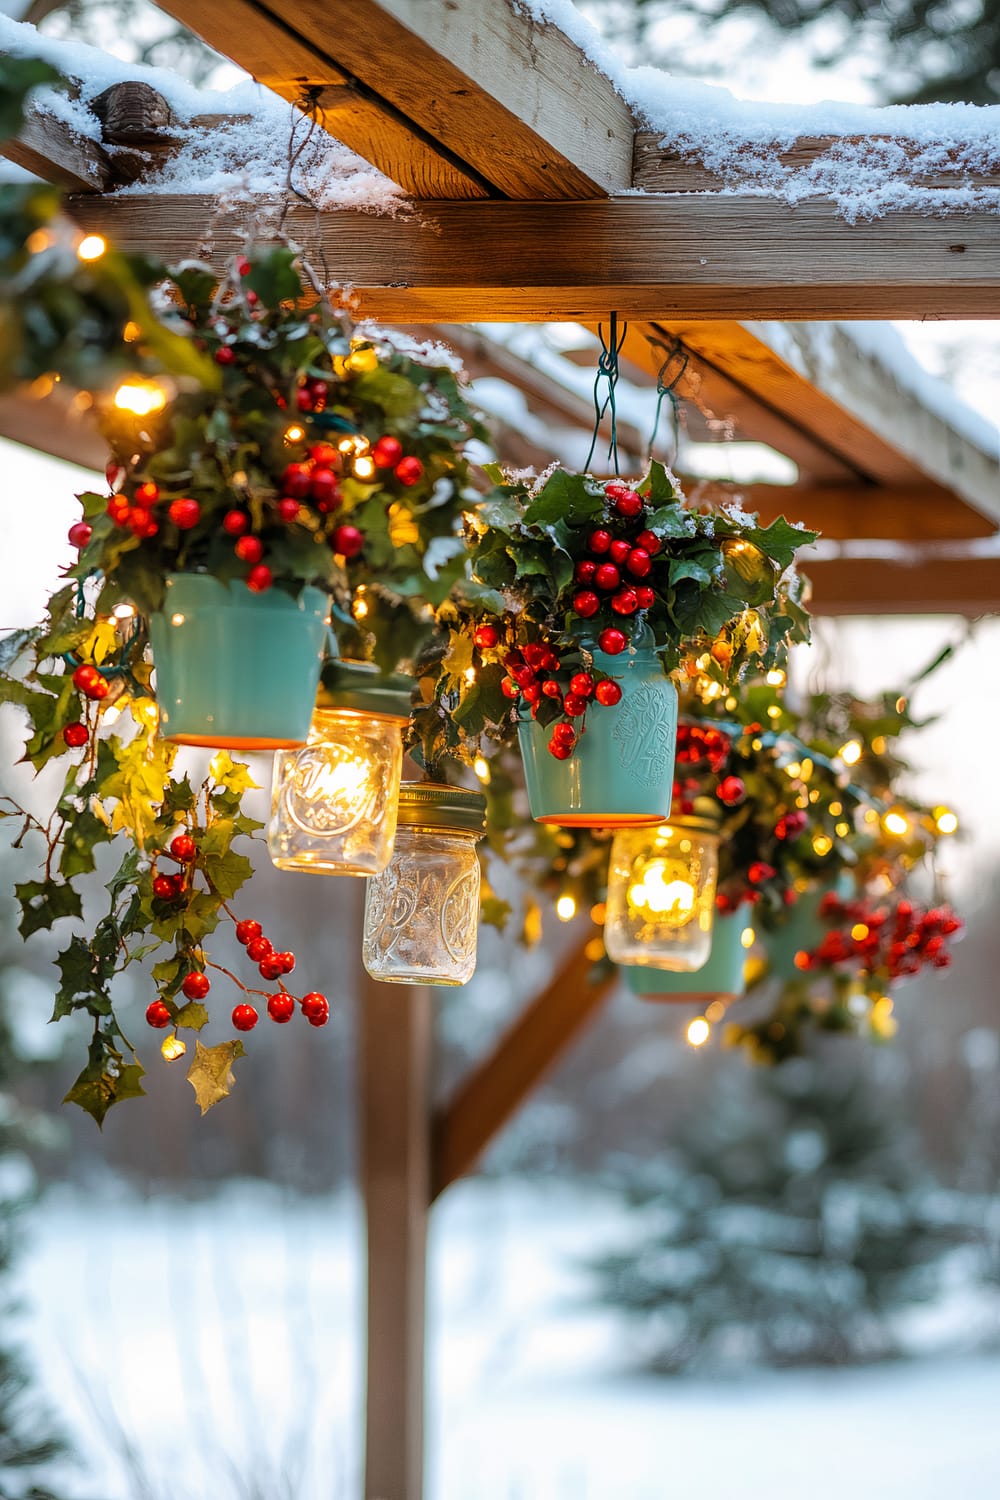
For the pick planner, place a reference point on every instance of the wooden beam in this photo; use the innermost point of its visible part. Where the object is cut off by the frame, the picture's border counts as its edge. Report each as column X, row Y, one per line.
column 662, row 169
column 495, row 1089
column 968, row 586
column 652, row 258
column 510, row 101
column 862, row 512
column 846, row 399
column 53, row 425
column 395, row 1026
column 55, row 153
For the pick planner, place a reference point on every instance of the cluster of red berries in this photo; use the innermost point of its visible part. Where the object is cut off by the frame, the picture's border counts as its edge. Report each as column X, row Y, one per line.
column 92, row 683
column 530, row 679
column 897, row 943
column 790, row 824
column 613, row 573
column 698, row 742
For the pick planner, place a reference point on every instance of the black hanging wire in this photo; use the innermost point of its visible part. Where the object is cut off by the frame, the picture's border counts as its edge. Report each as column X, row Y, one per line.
column 607, row 370
column 673, row 367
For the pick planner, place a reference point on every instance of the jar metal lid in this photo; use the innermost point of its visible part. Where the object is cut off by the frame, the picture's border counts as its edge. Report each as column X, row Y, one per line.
column 430, row 804
column 360, row 686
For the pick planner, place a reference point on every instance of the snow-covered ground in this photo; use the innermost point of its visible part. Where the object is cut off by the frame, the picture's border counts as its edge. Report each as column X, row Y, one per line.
column 223, row 1339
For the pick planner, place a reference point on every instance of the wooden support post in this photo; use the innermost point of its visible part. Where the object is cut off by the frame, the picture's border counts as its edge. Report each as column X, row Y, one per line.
column 395, row 1036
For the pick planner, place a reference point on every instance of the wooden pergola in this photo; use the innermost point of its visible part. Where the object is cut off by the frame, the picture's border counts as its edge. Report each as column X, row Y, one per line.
column 522, row 159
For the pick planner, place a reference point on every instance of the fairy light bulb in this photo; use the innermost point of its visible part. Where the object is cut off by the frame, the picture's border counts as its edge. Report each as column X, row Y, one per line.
column 294, row 434
column 364, row 467
column 566, row 907
column 661, row 895
column 747, row 937
column 91, row 247
column 140, row 398
column 698, row 1032
column 776, row 677
column 851, row 752
column 945, row 821
column 896, row 823
column 822, row 844
column 481, row 766
column 171, row 1048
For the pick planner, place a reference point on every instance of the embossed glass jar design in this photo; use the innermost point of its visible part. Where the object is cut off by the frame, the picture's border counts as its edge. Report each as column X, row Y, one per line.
column 661, row 895
column 333, row 804
column 422, row 912
column 622, row 768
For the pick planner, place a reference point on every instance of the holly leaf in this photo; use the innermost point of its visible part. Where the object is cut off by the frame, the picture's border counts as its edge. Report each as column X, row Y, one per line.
column 231, row 775
column 43, row 902
column 192, row 1016
column 104, row 1081
column 211, row 1072
column 82, row 835
column 566, row 497
column 781, row 540
column 83, row 979
column 227, row 872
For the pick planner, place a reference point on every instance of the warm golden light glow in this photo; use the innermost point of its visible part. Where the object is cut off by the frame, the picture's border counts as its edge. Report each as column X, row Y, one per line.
column 91, row 247
column 793, row 769
column 776, row 677
column 598, row 913
column 482, row 769
column 131, row 333
column 698, row 1032
column 773, row 711
column 663, row 891
column 294, row 434
column 171, row 1048
column 945, row 820
column 747, row 937
column 140, row 398
column 661, row 895
column 894, row 822
column 836, row 808
column 859, row 932
column 851, row 753
column 124, row 611
column 842, row 830
column 38, row 240
column 566, row 907
column 364, row 467
column 822, row 844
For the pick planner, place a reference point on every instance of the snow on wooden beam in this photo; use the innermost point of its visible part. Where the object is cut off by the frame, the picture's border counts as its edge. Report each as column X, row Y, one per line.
column 859, row 513
column 933, row 585
column 652, row 258
column 448, row 100
column 54, row 152
column 663, row 169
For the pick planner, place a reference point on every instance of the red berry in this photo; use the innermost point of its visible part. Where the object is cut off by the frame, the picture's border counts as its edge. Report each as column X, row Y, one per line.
column 288, row 509
column 247, row 931
column 523, row 675
column 510, row 689
column 139, row 521
column 286, row 960
column 80, row 533
column 297, row 481
column 608, row 692
column 303, row 399
column 584, row 571
column 183, row 847
column 600, row 540
column 387, row 452
column 348, row 541
column 324, row 486
column 75, row 735
column 317, row 388
column 259, row 947
column 607, row 577
column 639, row 563
column 649, row 541
column 625, row 602
column 85, row 676
column 242, row 266
column 196, row 985
column 165, row 888
column 629, row 504
column 535, row 653
column 561, row 752
column 157, row 1015
column 485, row 636
column 326, row 456
column 586, row 603
column 759, row 871
column 118, row 510
column 99, row 689
column 147, row 493
column 244, row 1018
column 185, row 513
column 731, row 790
column 260, row 579
column 270, row 967
column 551, row 688
column 235, row 523
column 249, row 549
column 564, row 734
column 409, row 470
column 281, row 1007
column 582, row 684
column 532, row 692
column 619, row 551
column 225, row 355
column 316, row 1008
column 645, row 596
column 574, row 705
column 612, row 641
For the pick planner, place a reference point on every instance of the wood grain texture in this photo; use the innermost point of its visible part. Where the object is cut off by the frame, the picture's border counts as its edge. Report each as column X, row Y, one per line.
column 662, row 169
column 277, row 55
column 396, row 1029
column 496, row 1087
column 55, row 153
column 53, row 426
column 935, row 585
column 651, row 258
column 861, row 513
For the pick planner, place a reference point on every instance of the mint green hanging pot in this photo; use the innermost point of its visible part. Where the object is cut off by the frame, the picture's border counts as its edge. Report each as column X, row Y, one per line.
column 802, row 929
column 235, row 669
column 621, row 771
column 720, row 975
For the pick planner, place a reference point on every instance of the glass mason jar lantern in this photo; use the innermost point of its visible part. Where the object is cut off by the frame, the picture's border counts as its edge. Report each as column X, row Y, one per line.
column 422, row 912
column 661, row 894
column 333, row 803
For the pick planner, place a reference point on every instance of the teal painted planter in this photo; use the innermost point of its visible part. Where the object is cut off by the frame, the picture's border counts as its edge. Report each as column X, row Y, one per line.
column 235, row 669
column 721, row 974
column 802, row 930
column 621, row 771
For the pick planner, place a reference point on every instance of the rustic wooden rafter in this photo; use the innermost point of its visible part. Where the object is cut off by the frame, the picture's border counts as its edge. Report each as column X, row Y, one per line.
column 46, row 146
column 931, row 583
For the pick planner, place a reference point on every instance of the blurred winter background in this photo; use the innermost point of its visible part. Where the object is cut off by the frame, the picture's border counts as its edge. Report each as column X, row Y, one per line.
column 673, row 1275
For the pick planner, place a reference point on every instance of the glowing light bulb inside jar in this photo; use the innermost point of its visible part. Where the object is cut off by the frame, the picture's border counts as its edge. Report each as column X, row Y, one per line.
column 661, row 894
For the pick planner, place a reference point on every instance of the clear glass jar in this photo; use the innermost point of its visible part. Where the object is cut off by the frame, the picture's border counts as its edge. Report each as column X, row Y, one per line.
column 661, row 895
column 333, row 803
column 422, row 912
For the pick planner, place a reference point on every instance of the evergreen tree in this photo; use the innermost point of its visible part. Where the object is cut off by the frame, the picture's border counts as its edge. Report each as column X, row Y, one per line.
column 784, row 1225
